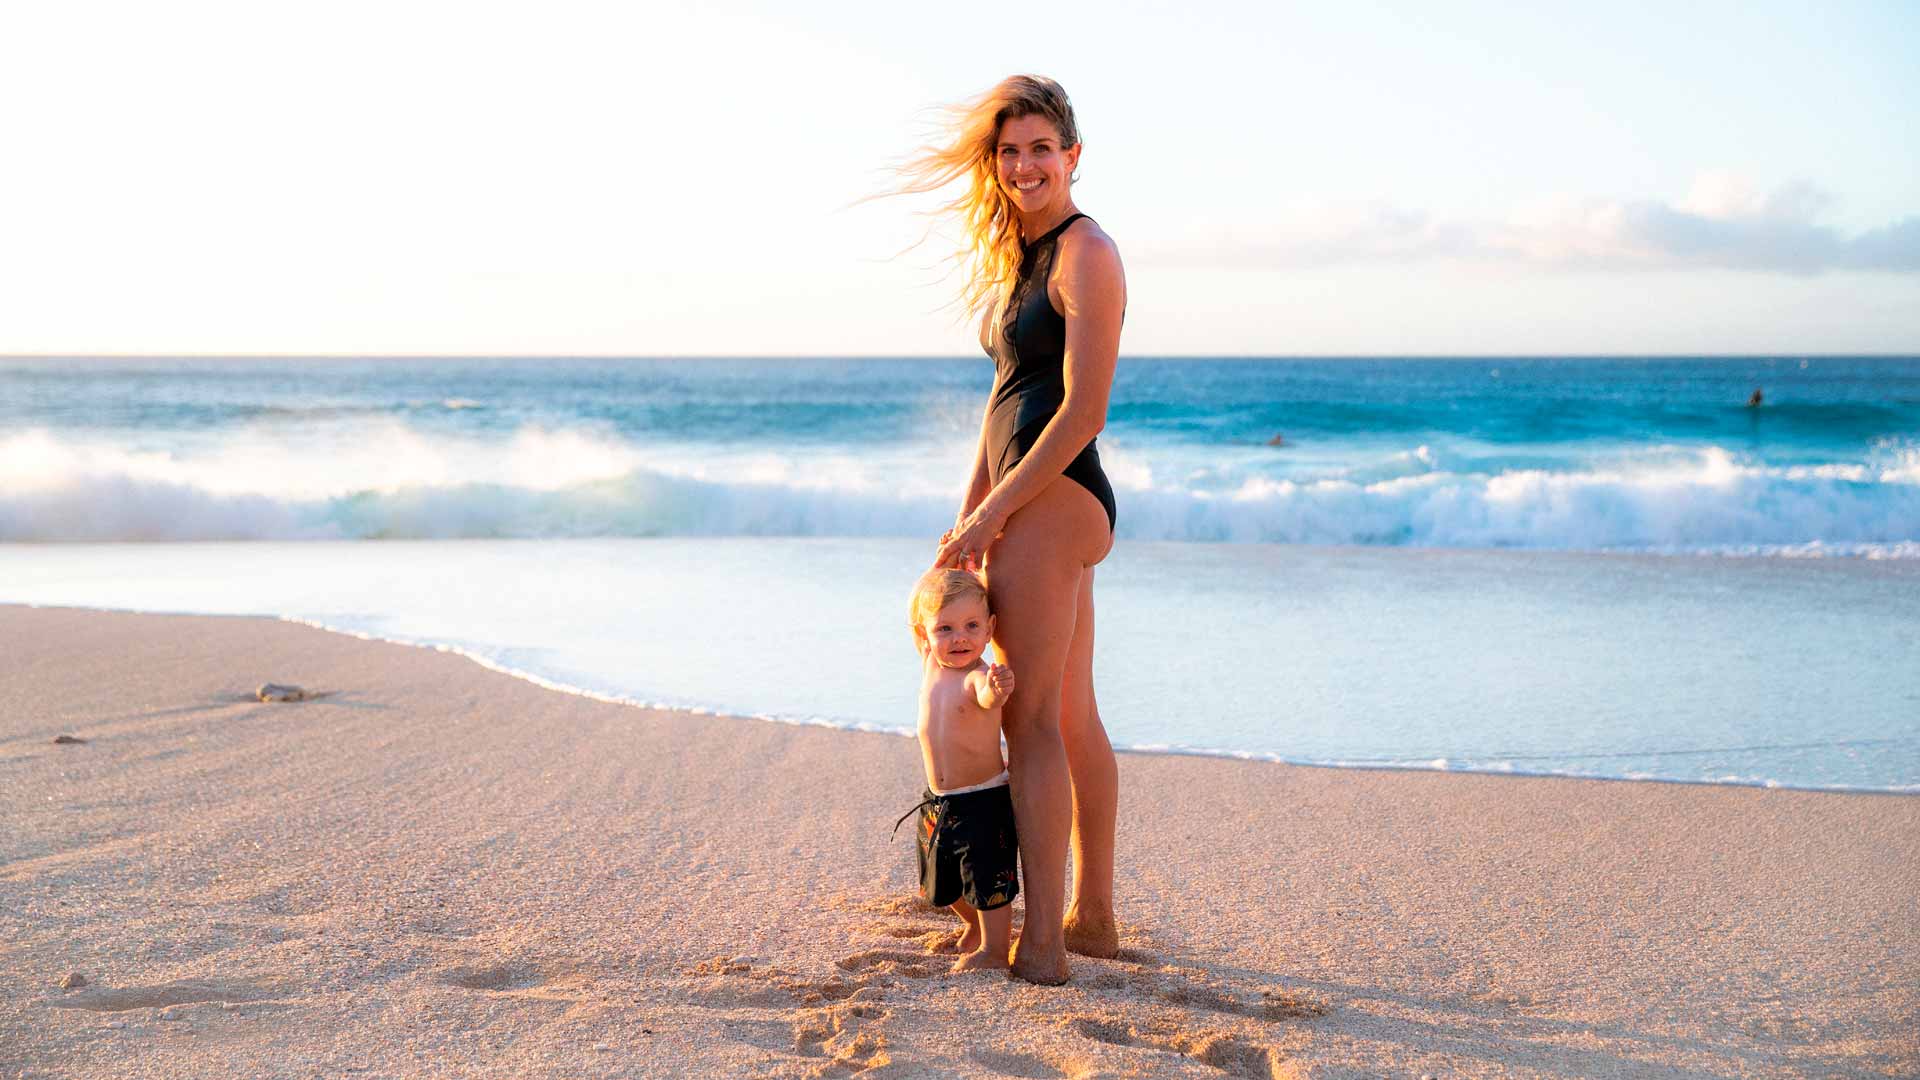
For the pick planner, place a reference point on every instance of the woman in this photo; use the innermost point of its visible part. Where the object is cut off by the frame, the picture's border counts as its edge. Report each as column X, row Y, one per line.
column 1039, row 513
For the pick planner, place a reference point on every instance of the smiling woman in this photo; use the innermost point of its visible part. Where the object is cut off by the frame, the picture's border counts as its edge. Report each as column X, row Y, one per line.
column 1038, row 513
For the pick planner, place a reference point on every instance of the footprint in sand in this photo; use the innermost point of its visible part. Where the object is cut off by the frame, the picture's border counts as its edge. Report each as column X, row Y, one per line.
column 125, row 998
column 730, row 982
column 861, row 977
column 526, row 979
column 847, row 1035
column 814, row 991
column 1192, row 988
column 942, row 940
column 496, row 977
column 1230, row 1053
column 886, row 961
column 1190, row 994
column 1001, row 1063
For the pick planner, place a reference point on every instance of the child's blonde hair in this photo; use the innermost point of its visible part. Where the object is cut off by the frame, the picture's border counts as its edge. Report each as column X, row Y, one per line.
column 936, row 589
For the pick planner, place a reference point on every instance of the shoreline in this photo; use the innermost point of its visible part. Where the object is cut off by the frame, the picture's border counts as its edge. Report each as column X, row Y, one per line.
column 439, row 868
column 545, row 683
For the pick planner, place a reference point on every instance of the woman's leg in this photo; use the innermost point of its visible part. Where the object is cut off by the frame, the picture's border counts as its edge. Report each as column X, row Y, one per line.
column 1090, row 929
column 1033, row 581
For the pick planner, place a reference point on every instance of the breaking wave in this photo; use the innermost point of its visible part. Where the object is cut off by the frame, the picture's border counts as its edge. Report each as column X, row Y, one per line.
column 397, row 482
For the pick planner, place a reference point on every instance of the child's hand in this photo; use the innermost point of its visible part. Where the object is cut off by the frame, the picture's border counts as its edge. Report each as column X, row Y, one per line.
column 1000, row 677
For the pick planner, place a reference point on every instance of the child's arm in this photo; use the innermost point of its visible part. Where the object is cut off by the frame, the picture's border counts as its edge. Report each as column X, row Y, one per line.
column 992, row 687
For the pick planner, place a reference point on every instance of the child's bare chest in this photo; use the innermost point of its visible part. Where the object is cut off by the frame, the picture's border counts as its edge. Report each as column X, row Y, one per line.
column 946, row 701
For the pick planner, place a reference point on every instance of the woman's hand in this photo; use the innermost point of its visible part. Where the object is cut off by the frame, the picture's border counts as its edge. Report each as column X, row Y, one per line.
column 965, row 545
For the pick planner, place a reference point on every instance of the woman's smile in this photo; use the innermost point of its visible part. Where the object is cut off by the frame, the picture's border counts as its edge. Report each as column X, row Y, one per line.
column 1030, row 158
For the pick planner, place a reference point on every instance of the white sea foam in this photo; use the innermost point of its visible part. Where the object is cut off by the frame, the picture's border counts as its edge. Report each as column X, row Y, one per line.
column 389, row 480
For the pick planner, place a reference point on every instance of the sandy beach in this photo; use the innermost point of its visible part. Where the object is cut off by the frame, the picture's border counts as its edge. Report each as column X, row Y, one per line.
column 438, row 870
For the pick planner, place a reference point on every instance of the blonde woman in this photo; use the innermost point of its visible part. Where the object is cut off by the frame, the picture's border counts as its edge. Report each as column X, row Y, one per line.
column 1039, row 513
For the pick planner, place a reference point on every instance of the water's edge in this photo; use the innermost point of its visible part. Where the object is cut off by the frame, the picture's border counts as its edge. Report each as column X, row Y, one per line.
column 589, row 693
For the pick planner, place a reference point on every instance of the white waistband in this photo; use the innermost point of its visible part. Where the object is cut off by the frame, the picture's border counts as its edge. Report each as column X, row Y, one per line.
column 981, row 786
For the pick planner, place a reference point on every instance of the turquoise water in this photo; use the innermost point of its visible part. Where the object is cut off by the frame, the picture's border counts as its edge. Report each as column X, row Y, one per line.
column 1566, row 454
column 1579, row 567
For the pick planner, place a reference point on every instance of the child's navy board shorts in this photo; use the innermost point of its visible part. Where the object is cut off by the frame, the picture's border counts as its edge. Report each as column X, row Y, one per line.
column 968, row 848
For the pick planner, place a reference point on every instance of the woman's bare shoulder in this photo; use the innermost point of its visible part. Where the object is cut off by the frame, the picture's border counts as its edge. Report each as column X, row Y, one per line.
column 1089, row 260
column 1086, row 240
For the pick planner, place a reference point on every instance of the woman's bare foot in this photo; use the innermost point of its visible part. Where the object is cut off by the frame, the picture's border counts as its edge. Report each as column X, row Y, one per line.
column 969, row 942
column 1092, row 935
column 1048, row 968
column 981, row 960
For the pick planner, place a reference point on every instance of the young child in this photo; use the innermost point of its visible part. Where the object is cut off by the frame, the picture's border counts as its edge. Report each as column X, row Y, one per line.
column 968, row 848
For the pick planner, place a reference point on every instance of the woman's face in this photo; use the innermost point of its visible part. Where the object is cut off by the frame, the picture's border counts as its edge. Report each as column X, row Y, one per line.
column 1034, row 170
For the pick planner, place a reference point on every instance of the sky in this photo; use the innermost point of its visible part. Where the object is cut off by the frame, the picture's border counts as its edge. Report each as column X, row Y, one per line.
column 667, row 179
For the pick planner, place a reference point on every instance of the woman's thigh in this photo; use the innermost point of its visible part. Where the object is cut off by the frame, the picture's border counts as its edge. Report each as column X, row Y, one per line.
column 1034, row 576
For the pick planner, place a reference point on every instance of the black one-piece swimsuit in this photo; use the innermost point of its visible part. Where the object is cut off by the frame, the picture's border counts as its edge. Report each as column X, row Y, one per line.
column 1029, row 358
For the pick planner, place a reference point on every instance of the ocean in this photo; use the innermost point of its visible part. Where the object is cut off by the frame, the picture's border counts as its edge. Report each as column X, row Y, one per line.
column 1592, row 567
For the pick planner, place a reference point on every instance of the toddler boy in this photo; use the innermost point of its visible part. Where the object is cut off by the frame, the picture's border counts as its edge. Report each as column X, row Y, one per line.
column 968, row 848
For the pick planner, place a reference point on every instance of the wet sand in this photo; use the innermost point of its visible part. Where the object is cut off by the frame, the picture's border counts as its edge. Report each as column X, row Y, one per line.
column 439, row 870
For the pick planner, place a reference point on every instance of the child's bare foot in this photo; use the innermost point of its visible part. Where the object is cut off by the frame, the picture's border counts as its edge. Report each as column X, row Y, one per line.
column 981, row 960
column 970, row 924
column 1092, row 935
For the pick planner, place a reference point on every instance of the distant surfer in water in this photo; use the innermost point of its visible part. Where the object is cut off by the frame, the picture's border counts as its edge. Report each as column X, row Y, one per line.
column 1038, row 513
column 1753, row 401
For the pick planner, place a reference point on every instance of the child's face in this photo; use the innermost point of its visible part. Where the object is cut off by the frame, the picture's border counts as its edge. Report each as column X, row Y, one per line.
column 958, row 632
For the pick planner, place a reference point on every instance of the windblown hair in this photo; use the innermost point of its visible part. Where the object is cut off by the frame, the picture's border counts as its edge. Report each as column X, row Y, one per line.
column 991, row 254
column 939, row 587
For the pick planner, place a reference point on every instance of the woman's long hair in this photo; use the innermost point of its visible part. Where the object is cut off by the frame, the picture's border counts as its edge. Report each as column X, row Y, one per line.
column 991, row 253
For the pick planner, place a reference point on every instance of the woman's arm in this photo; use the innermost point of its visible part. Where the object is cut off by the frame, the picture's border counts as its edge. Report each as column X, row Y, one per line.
column 1093, row 297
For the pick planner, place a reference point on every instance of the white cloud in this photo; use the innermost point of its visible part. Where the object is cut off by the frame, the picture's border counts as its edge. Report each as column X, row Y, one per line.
column 1723, row 223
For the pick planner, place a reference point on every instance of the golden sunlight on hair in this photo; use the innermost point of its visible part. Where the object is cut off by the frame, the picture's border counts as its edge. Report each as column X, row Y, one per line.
column 991, row 252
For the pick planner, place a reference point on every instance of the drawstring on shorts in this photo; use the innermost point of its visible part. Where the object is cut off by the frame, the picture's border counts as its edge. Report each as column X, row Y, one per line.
column 930, row 800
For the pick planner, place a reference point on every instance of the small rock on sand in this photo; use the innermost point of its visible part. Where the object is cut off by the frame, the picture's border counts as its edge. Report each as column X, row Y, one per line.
column 73, row 981
column 67, row 740
column 277, row 692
